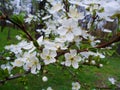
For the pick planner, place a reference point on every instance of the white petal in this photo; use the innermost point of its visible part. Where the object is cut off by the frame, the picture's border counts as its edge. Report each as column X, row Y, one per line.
column 53, row 60
column 46, row 62
column 73, row 52
column 33, row 70
column 77, row 31
column 67, row 56
column 67, row 63
column 17, row 63
column 38, row 66
column 43, row 56
column 75, row 65
column 46, row 51
column 69, row 36
column 39, row 40
column 53, row 53
column 28, row 46
column 61, row 31
column 3, row 66
column 77, row 58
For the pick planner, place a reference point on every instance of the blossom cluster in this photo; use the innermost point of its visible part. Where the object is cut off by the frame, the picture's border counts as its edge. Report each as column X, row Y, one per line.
column 69, row 36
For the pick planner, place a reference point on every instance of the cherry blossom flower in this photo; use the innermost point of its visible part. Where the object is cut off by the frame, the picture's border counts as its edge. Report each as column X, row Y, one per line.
column 30, row 18
column 109, row 9
column 18, row 62
column 112, row 80
column 40, row 40
column 72, row 59
column 17, row 49
column 69, row 29
column 18, row 37
column 58, row 43
column 87, row 54
column 7, row 66
column 56, row 7
column 76, row 86
column 7, row 58
column 75, row 14
column 48, row 56
column 49, row 88
column 31, row 62
column 44, row 78
column 100, row 65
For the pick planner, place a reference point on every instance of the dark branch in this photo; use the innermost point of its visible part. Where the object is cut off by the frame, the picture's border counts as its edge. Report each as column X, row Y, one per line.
column 115, row 39
column 22, row 27
column 14, row 77
column 108, row 88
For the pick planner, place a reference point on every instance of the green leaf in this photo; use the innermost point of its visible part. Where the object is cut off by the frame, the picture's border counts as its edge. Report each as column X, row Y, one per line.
column 19, row 19
column 93, row 49
column 0, row 13
column 110, row 52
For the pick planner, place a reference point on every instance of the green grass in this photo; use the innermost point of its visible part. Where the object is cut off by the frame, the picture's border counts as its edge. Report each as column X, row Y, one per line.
column 61, row 78
column 5, row 40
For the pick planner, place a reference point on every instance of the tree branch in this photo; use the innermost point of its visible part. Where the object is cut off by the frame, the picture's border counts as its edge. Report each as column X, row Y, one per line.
column 113, row 40
column 22, row 27
column 14, row 77
column 107, row 88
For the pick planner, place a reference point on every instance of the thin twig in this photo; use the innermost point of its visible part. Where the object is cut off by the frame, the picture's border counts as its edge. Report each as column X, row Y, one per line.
column 14, row 77
column 107, row 88
column 113, row 40
column 22, row 27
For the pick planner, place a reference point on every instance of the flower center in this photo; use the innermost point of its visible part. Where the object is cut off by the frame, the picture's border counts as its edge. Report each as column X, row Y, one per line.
column 48, row 57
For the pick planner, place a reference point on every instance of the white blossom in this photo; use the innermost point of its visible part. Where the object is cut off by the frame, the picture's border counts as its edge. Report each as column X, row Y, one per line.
column 48, row 56
column 7, row 58
column 18, row 37
column 17, row 49
column 44, row 78
column 100, row 65
column 93, row 62
column 109, row 9
column 87, row 54
column 112, row 80
column 56, row 7
column 30, row 18
column 107, row 30
column 72, row 59
column 40, row 40
column 49, row 88
column 75, row 14
column 76, row 86
column 69, row 29
column 7, row 66
column 31, row 62
column 18, row 62
column 58, row 43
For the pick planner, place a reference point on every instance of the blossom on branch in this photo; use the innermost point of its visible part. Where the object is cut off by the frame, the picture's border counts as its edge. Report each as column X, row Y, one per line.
column 48, row 56
column 76, row 86
column 69, row 29
column 72, row 59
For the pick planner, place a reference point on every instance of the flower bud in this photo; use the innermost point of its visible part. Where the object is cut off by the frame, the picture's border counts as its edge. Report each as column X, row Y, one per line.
column 44, row 78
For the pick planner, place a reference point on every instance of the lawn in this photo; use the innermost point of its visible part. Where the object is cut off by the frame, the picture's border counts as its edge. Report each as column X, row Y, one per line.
column 61, row 78
column 7, row 36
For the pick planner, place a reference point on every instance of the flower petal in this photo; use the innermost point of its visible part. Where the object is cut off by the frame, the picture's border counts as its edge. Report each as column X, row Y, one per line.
column 69, row 36
column 75, row 65
column 53, row 53
column 67, row 63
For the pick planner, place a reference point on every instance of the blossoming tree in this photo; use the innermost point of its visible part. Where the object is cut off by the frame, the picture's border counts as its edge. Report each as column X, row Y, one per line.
column 60, row 33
